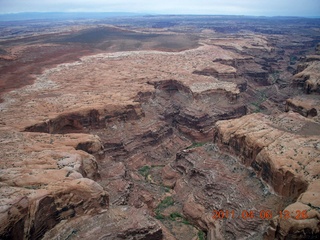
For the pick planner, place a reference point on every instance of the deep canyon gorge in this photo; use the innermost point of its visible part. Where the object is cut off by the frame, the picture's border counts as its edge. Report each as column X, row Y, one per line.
column 126, row 130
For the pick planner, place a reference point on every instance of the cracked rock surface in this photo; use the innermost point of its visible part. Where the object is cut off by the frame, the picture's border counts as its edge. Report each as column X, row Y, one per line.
column 148, row 142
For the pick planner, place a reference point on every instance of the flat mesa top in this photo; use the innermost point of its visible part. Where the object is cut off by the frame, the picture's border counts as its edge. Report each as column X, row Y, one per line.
column 112, row 79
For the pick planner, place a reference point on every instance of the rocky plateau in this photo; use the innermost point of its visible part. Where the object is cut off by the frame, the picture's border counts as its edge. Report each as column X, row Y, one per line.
column 122, row 130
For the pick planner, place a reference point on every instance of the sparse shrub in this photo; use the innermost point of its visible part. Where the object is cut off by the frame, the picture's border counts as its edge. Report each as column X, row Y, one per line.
column 144, row 171
column 201, row 235
column 168, row 201
column 167, row 189
column 175, row 215
column 159, row 216
column 196, row 144
column 185, row 221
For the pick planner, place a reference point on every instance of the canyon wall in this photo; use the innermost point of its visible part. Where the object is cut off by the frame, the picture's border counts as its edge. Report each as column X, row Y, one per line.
column 283, row 153
column 148, row 144
column 45, row 180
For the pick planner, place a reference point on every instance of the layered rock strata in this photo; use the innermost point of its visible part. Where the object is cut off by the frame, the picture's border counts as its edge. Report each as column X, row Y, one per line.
column 56, row 166
column 206, row 180
column 306, row 107
column 284, row 151
column 118, row 223
column 307, row 75
column 147, row 106
column 44, row 180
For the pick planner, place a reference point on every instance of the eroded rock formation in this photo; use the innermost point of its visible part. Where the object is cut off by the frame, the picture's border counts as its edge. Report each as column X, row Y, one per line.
column 303, row 106
column 284, row 151
column 118, row 223
column 148, row 144
column 308, row 74
column 44, row 180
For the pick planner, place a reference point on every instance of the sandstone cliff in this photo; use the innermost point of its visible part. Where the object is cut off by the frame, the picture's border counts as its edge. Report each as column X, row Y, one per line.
column 284, row 151
column 136, row 128
column 44, row 180
column 308, row 74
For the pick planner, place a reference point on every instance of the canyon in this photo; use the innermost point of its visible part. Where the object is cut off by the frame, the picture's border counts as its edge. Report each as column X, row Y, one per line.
column 143, row 127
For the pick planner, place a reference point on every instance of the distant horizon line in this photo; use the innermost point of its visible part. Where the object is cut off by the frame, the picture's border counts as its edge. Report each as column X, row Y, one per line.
column 163, row 14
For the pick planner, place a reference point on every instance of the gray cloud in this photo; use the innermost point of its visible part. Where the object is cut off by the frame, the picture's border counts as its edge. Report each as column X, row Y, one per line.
column 238, row 7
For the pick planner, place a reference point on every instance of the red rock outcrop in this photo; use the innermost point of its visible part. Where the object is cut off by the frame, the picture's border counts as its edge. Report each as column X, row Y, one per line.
column 148, row 109
column 286, row 155
column 306, row 107
column 121, row 222
column 304, row 223
column 280, row 153
column 204, row 179
column 84, row 121
column 45, row 180
column 307, row 75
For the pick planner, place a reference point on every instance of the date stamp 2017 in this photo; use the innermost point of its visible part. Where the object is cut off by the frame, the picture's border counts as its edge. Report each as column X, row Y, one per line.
column 262, row 214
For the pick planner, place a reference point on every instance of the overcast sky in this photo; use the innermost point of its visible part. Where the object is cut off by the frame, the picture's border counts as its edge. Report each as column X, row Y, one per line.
column 232, row 7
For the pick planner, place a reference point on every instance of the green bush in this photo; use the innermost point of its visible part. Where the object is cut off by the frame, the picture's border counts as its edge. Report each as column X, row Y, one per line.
column 175, row 215
column 159, row 216
column 185, row 221
column 196, row 144
column 168, row 201
column 201, row 235
column 144, row 171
